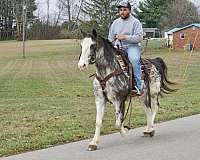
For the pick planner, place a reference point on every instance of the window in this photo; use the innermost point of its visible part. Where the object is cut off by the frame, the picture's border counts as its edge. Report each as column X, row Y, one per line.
column 182, row 35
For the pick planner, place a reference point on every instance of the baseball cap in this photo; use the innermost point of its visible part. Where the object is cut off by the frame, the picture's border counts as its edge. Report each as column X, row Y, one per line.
column 124, row 4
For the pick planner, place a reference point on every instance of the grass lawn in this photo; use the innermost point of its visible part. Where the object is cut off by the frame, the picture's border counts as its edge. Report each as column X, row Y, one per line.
column 45, row 100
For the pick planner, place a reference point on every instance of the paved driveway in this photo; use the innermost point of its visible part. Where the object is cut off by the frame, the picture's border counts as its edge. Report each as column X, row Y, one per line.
column 174, row 140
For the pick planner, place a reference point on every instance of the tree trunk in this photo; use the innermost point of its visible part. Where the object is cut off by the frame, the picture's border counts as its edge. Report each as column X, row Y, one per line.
column 47, row 12
column 77, row 17
column 69, row 13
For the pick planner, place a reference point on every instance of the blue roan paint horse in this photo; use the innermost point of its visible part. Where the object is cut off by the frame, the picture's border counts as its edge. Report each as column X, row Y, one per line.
column 110, row 84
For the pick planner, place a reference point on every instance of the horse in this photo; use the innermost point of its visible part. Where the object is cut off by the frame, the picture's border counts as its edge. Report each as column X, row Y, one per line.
column 111, row 84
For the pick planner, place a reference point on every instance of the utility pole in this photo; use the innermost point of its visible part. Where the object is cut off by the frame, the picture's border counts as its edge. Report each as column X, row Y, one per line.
column 24, row 27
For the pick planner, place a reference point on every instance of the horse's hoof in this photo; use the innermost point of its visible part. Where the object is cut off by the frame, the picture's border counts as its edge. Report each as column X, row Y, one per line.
column 127, row 127
column 124, row 132
column 92, row 148
column 149, row 134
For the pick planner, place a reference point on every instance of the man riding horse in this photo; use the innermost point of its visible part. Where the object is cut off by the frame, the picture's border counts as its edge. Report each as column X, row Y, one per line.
column 127, row 32
column 111, row 84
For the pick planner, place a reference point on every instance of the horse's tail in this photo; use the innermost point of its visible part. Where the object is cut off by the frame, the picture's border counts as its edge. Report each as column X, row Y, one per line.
column 147, row 82
column 162, row 68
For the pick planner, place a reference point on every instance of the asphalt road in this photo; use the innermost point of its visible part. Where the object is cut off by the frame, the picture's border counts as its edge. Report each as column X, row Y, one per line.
column 174, row 140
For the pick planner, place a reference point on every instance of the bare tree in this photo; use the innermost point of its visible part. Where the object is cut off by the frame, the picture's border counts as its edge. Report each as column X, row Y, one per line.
column 57, row 15
column 47, row 1
column 17, row 12
column 71, row 10
column 180, row 12
column 197, row 4
column 77, row 16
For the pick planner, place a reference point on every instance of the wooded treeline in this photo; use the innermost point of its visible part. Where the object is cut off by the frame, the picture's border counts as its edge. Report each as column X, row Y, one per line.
column 72, row 15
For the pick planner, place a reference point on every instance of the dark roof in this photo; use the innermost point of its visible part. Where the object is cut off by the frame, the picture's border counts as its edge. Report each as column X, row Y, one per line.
column 172, row 30
column 188, row 26
column 151, row 29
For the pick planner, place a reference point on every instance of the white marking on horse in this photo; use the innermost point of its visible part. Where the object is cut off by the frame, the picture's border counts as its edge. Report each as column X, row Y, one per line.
column 85, row 53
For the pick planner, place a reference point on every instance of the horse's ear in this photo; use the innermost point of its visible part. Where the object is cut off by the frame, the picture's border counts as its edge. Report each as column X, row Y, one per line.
column 83, row 33
column 94, row 32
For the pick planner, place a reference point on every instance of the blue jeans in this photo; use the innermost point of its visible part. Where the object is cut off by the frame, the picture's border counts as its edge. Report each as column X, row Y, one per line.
column 134, row 57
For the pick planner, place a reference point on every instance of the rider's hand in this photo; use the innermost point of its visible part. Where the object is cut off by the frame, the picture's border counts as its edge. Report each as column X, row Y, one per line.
column 121, row 37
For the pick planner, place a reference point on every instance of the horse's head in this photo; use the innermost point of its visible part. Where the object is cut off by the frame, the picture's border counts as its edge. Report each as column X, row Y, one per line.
column 88, row 49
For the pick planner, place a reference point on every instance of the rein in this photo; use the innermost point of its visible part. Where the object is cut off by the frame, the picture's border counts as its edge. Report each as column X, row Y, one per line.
column 129, row 107
column 104, row 80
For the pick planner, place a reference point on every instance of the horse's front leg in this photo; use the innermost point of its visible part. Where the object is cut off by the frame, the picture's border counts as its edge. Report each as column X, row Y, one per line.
column 120, row 108
column 100, row 105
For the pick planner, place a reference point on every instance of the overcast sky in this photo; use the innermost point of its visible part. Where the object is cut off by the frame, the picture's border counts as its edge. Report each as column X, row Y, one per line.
column 42, row 7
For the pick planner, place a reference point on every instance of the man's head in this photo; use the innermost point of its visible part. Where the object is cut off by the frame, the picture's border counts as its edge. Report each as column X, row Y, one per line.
column 124, row 9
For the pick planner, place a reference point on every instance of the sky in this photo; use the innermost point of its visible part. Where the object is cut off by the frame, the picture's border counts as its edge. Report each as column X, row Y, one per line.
column 43, row 6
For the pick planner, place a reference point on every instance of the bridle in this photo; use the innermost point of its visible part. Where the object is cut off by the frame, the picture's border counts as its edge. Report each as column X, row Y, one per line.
column 93, row 60
column 101, row 80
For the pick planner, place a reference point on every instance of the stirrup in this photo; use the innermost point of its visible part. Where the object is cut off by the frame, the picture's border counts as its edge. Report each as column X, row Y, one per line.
column 134, row 93
column 138, row 92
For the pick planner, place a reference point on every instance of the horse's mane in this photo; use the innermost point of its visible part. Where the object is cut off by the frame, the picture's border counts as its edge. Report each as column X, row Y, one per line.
column 107, row 43
column 109, row 49
column 103, row 42
column 108, row 46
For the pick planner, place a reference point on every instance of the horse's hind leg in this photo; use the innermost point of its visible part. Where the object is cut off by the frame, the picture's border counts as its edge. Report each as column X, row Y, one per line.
column 151, row 113
column 154, row 105
column 154, row 91
column 100, row 105
column 148, row 112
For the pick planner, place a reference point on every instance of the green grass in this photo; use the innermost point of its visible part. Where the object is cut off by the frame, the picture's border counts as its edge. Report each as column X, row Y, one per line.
column 45, row 100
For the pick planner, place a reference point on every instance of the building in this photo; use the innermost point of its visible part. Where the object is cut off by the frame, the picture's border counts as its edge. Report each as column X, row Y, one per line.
column 187, row 36
column 151, row 32
column 169, row 36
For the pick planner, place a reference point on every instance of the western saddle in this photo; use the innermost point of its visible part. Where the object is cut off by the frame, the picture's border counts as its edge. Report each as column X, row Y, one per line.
column 122, row 57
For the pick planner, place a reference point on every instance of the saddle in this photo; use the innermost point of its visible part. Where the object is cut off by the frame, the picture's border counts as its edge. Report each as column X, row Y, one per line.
column 122, row 57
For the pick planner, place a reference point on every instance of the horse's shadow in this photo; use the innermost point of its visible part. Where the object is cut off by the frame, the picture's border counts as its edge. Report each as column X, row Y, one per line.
column 137, row 140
